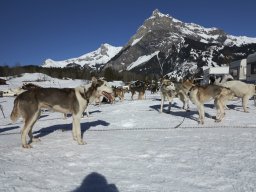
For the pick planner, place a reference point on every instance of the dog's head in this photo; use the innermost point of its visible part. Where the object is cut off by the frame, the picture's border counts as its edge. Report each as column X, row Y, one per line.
column 100, row 87
column 168, row 85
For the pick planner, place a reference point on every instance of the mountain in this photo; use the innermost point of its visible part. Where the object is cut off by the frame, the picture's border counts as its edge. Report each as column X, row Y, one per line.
column 164, row 45
column 92, row 60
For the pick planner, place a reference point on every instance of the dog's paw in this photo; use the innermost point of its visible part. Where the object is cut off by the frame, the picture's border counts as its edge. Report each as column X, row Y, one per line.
column 27, row 146
column 74, row 138
column 217, row 120
column 36, row 140
column 81, row 142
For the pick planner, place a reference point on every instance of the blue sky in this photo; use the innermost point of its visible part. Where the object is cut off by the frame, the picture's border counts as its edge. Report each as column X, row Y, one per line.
column 34, row 30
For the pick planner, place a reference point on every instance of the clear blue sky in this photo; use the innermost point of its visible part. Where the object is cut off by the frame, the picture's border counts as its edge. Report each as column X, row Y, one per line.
column 34, row 30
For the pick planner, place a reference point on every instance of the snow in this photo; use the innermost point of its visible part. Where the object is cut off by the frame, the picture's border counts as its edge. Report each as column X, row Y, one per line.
column 136, row 41
column 142, row 60
column 131, row 147
column 239, row 40
column 156, row 13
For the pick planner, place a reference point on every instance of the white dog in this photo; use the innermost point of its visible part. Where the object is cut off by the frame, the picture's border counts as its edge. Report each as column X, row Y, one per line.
column 241, row 90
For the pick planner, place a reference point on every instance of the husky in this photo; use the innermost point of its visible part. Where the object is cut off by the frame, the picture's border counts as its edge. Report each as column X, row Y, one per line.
column 241, row 90
column 66, row 100
column 138, row 86
column 200, row 94
column 118, row 92
column 170, row 90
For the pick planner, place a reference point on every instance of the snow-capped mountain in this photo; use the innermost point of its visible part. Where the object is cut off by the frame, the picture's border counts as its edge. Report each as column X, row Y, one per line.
column 164, row 44
column 93, row 59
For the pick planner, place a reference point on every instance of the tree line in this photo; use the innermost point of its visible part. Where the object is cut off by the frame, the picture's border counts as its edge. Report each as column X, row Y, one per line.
column 76, row 73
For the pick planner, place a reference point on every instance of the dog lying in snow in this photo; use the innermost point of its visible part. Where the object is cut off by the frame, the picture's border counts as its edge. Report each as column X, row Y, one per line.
column 67, row 100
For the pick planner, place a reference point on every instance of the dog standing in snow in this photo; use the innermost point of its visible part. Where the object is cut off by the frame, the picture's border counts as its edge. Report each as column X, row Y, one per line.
column 241, row 90
column 171, row 90
column 67, row 100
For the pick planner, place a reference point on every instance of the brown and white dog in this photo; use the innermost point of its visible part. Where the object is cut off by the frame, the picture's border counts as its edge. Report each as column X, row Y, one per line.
column 200, row 94
column 67, row 100
column 171, row 90
column 118, row 92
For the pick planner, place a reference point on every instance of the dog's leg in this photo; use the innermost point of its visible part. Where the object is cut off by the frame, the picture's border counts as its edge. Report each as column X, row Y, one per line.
column 187, row 101
column 170, row 104
column 226, row 107
column 24, row 133
column 29, row 122
column 182, row 97
column 245, row 100
column 170, row 99
column 122, row 96
column 222, row 111
column 77, row 127
column 133, row 92
column 74, row 130
column 201, row 113
column 218, row 109
column 33, row 139
column 162, row 103
column 140, row 96
column 87, row 111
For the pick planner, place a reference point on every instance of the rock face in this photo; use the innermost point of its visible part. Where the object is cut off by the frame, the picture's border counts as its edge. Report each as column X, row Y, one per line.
column 164, row 45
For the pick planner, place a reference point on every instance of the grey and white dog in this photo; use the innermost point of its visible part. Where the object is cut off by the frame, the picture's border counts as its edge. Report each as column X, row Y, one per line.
column 67, row 100
column 171, row 90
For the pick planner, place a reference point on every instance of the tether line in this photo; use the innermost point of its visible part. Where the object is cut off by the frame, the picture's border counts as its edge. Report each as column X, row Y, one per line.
column 153, row 128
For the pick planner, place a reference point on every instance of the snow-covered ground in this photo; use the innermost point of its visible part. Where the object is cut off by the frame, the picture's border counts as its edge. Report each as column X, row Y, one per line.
column 131, row 147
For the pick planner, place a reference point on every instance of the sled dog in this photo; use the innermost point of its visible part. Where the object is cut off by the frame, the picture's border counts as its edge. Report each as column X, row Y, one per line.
column 138, row 86
column 201, row 94
column 118, row 92
column 67, row 100
column 241, row 90
column 171, row 89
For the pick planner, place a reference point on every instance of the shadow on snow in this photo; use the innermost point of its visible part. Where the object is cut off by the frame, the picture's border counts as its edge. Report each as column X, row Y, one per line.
column 95, row 182
column 68, row 127
column 186, row 114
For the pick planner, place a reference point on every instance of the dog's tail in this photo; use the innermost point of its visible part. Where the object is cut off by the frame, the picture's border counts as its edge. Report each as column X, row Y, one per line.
column 15, row 111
